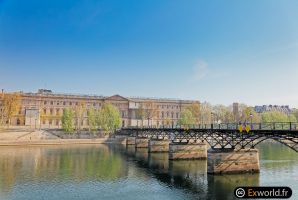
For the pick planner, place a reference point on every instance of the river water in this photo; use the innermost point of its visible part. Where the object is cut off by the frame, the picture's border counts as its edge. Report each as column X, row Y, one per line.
column 115, row 172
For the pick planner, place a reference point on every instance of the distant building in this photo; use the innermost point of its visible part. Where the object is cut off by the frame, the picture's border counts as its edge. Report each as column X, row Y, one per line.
column 269, row 108
column 44, row 109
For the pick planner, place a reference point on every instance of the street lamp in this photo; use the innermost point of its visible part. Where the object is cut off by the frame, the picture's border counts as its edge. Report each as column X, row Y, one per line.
column 250, row 120
column 212, row 120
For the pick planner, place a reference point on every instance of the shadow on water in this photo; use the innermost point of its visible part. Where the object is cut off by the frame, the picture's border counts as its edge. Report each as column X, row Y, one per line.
column 188, row 175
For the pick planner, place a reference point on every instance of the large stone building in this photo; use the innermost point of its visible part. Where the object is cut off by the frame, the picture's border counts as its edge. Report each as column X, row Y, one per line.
column 270, row 108
column 44, row 109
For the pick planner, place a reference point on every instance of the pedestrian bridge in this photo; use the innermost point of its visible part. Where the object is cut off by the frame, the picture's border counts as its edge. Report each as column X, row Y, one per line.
column 223, row 136
column 232, row 146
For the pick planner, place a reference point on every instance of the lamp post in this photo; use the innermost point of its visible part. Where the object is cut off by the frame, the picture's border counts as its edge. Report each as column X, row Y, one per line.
column 250, row 120
column 212, row 120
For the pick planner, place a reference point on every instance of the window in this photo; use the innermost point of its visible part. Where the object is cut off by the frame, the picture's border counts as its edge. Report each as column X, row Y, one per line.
column 172, row 114
column 123, row 113
column 162, row 114
column 52, row 102
column 77, row 103
column 57, row 111
column 64, row 103
column 45, row 102
column 50, row 122
column 70, row 103
column 167, row 114
column 94, row 104
column 57, row 122
column 51, row 111
column 44, row 111
column 43, row 121
column 177, row 115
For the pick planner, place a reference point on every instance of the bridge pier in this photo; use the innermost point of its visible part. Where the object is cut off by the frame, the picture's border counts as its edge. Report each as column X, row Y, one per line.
column 226, row 161
column 183, row 151
column 130, row 140
column 158, row 145
column 141, row 142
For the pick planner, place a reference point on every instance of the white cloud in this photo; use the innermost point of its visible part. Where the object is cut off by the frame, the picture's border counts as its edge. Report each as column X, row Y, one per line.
column 200, row 70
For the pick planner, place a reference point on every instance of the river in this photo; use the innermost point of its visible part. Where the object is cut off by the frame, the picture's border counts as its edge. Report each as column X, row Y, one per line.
column 115, row 172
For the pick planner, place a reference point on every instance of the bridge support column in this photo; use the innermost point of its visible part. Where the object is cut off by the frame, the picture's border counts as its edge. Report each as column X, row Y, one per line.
column 225, row 161
column 182, row 151
column 130, row 140
column 156, row 145
column 142, row 142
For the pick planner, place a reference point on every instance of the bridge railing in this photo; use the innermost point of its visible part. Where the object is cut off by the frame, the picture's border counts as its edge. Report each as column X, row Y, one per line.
column 234, row 126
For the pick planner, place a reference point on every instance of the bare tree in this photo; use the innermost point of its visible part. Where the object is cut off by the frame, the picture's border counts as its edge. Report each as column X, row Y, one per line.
column 140, row 114
column 79, row 112
column 10, row 106
column 150, row 111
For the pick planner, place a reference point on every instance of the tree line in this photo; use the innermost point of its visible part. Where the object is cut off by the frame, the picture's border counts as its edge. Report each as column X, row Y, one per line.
column 205, row 113
column 108, row 117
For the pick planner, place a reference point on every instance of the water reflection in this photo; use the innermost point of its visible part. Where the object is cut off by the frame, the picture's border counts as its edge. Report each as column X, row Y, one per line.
column 91, row 170
column 78, row 163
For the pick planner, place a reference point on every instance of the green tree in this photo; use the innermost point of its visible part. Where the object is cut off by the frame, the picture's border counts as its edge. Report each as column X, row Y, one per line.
column 194, row 108
column 68, row 120
column 109, row 118
column 275, row 116
column 248, row 114
column 295, row 114
column 92, row 120
column 186, row 119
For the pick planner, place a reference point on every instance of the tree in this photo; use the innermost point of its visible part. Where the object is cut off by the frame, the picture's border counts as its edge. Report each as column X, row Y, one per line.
column 140, row 113
column 10, row 106
column 92, row 120
column 222, row 114
column 167, row 121
column 67, row 120
column 150, row 111
column 249, row 115
column 186, row 119
column 275, row 116
column 194, row 108
column 109, row 118
column 205, row 114
column 295, row 113
column 79, row 111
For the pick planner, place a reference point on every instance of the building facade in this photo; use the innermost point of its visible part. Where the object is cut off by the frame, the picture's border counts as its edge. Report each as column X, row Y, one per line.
column 269, row 108
column 44, row 109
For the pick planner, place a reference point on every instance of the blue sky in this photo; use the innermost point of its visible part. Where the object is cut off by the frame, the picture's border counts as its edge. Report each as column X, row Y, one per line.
column 216, row 51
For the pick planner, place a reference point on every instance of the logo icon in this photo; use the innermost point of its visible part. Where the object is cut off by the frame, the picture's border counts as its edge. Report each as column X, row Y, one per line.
column 240, row 192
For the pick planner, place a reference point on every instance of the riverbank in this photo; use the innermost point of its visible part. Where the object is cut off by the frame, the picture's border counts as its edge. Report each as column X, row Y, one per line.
column 61, row 142
column 42, row 137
